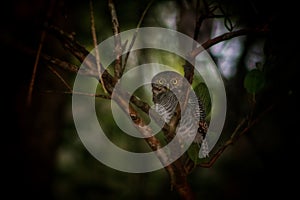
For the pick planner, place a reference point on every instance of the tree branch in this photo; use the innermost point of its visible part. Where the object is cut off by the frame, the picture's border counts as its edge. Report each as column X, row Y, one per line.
column 135, row 34
column 237, row 133
column 178, row 179
column 60, row 78
column 146, row 131
column 97, row 55
column 79, row 93
column 227, row 36
column 37, row 57
column 178, row 175
column 55, row 62
column 118, row 44
column 68, row 41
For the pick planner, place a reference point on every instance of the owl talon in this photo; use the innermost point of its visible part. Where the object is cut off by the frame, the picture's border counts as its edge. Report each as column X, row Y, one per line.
column 204, row 150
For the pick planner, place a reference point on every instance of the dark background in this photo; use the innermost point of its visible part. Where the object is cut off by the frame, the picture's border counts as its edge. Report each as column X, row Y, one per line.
column 261, row 164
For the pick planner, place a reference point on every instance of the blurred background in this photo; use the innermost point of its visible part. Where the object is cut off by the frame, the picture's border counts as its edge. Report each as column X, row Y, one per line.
column 43, row 155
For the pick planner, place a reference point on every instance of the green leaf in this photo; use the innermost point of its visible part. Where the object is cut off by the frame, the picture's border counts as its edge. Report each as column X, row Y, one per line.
column 202, row 92
column 254, row 81
column 193, row 152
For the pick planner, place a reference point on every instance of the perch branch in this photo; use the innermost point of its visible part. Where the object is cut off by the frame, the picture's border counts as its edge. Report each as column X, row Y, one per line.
column 79, row 52
column 145, row 130
column 175, row 170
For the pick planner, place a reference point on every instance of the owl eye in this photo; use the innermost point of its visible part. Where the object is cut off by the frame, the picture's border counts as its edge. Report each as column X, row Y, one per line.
column 174, row 81
column 161, row 81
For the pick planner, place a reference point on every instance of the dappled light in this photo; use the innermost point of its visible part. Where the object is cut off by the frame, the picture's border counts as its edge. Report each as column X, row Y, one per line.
column 238, row 59
column 227, row 53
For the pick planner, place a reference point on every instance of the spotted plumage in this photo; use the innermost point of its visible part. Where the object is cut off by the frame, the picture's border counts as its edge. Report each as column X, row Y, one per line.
column 168, row 89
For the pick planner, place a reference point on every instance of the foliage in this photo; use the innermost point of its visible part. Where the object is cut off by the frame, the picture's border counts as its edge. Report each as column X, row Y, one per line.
column 45, row 157
column 254, row 81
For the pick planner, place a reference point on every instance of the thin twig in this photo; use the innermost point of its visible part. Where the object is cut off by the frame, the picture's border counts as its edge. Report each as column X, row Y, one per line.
column 227, row 36
column 80, row 52
column 60, row 78
column 203, row 15
column 31, row 85
column 103, row 96
column 235, row 136
column 62, row 64
column 117, row 37
column 37, row 57
column 68, row 41
column 135, row 33
column 97, row 55
column 56, row 62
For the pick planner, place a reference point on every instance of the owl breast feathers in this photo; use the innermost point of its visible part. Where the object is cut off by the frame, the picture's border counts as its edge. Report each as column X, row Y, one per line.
column 169, row 89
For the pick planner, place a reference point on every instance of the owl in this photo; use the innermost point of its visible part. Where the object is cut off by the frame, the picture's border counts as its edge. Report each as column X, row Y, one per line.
column 168, row 89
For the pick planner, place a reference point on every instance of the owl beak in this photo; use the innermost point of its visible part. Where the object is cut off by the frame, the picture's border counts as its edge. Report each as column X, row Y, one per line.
column 168, row 86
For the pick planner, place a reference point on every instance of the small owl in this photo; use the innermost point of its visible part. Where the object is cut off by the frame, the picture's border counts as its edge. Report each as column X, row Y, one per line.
column 168, row 88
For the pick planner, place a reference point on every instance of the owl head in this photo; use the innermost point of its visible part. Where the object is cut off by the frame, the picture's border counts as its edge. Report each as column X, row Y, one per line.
column 166, row 83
